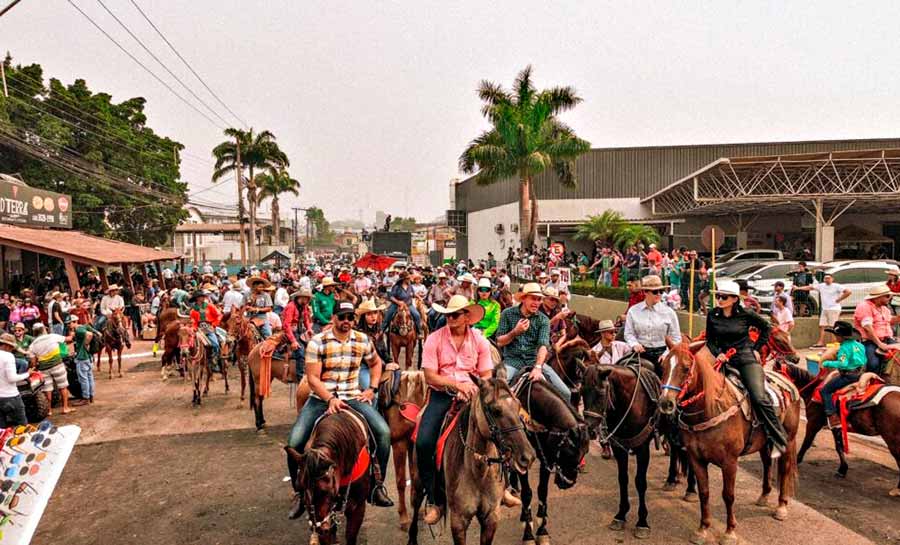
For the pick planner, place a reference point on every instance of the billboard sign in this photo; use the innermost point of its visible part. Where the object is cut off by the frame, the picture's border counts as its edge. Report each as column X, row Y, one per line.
column 27, row 206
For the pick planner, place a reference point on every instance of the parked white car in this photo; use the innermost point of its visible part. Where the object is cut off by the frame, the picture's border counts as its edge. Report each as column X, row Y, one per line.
column 755, row 255
column 761, row 278
column 859, row 277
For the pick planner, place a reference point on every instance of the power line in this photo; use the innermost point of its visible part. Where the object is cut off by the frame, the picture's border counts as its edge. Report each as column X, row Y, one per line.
column 166, row 68
column 161, row 35
column 142, row 65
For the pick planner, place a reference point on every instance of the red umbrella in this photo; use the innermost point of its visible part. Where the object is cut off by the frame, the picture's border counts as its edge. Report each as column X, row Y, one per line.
column 374, row 261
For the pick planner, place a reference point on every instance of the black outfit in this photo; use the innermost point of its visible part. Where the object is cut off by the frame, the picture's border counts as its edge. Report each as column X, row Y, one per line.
column 724, row 332
column 12, row 411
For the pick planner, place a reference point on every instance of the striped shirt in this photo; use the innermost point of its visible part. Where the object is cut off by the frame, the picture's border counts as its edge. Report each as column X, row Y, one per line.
column 522, row 350
column 340, row 361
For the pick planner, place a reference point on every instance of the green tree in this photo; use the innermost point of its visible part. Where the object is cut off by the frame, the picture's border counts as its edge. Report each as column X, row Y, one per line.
column 113, row 160
column 323, row 234
column 403, row 224
column 602, row 227
column 635, row 233
column 526, row 138
column 272, row 185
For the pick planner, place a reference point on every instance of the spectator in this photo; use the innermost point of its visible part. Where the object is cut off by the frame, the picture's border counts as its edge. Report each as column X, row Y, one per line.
column 12, row 410
column 784, row 319
column 83, row 335
column 46, row 350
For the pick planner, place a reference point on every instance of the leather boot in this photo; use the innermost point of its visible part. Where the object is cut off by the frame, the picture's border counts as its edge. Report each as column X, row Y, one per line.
column 606, row 452
column 379, row 496
column 510, row 499
column 433, row 515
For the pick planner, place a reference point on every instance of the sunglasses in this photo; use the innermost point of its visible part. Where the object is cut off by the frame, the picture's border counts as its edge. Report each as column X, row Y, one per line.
column 722, row 296
column 656, row 292
column 484, row 290
column 345, row 317
column 457, row 314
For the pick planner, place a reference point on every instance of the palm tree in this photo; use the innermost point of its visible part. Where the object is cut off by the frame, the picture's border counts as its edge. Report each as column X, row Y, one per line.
column 603, row 227
column 526, row 139
column 271, row 185
column 257, row 152
column 632, row 234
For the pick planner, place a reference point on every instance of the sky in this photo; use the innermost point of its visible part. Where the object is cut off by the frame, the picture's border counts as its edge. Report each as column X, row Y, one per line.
column 374, row 101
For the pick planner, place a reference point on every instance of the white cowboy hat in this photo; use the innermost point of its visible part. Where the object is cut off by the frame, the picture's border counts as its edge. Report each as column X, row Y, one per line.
column 112, row 287
column 467, row 278
column 442, row 274
column 484, row 282
column 542, row 275
column 605, row 325
column 893, row 272
column 368, row 306
column 554, row 272
column 551, row 293
column 531, row 288
column 327, row 281
column 474, row 311
column 651, row 282
column 728, row 287
column 878, row 291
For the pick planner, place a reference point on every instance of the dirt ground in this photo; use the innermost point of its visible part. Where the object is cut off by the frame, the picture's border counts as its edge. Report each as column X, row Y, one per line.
column 151, row 469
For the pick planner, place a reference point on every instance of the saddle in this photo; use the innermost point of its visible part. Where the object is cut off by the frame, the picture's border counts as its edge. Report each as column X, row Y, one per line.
column 780, row 390
column 411, row 388
column 867, row 393
column 363, row 464
column 450, row 421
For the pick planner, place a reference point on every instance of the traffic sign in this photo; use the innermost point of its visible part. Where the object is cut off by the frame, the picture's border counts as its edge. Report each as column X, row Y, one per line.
column 706, row 237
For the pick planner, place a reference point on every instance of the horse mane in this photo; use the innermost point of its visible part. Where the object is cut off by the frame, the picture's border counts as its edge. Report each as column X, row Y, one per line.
column 711, row 382
column 340, row 435
column 550, row 391
column 798, row 374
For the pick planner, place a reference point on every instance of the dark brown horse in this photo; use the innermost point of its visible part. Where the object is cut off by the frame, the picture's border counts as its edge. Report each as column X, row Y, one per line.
column 244, row 336
column 402, row 334
column 570, row 360
column 325, row 477
column 489, row 436
column 505, row 298
column 625, row 399
column 584, row 326
column 115, row 339
column 281, row 368
column 714, row 430
column 882, row 419
column 560, row 438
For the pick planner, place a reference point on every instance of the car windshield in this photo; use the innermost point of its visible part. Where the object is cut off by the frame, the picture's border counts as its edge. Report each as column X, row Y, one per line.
column 728, row 257
column 732, row 269
column 746, row 271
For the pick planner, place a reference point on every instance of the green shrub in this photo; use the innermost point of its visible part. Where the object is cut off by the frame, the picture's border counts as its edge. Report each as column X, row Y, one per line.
column 587, row 287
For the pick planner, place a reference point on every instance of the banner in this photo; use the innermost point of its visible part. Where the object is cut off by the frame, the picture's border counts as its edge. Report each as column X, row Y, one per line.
column 565, row 275
column 23, row 205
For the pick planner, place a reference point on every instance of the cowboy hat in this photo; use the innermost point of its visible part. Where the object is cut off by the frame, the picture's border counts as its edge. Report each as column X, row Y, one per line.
column 474, row 312
column 878, row 291
column 892, row 272
column 542, row 275
column 651, row 282
column 327, row 281
column 8, row 339
column 442, row 274
column 197, row 295
column 554, row 272
column 467, row 278
column 484, row 282
column 302, row 292
column 112, row 287
column 210, row 287
column 605, row 325
column 841, row 328
column 255, row 281
column 551, row 293
column 531, row 288
column 728, row 287
column 368, row 306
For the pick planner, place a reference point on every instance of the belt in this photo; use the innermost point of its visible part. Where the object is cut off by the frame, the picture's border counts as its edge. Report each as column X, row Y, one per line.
column 659, row 349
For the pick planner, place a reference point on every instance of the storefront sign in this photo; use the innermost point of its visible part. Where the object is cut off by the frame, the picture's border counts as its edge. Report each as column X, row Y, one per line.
column 23, row 205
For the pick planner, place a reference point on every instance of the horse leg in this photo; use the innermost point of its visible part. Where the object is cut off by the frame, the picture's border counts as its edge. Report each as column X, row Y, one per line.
column 642, row 528
column 119, row 362
column 207, row 370
column 787, row 475
column 488, row 526
column 416, row 499
column 109, row 357
column 701, row 469
column 672, row 479
column 459, row 524
column 618, row 522
column 354, row 519
column 815, row 421
column 400, row 450
column 224, row 374
column 242, row 367
column 260, row 415
column 526, row 496
column 766, row 458
column 543, row 536
column 729, row 472
column 690, row 495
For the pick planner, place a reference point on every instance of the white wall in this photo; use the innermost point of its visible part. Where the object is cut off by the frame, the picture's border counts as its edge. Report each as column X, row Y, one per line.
column 580, row 209
column 482, row 238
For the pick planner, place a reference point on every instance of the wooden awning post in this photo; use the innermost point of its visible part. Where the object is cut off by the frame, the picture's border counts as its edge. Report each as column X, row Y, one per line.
column 72, row 275
column 126, row 277
column 159, row 275
column 104, row 282
column 3, row 266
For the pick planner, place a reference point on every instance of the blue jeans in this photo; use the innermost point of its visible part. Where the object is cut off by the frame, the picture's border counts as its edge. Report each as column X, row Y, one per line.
column 392, row 310
column 315, row 408
column 58, row 329
column 85, row 378
column 549, row 374
column 833, row 386
column 266, row 328
column 214, row 345
column 427, row 438
column 21, row 365
column 607, row 278
column 873, row 360
column 100, row 322
column 299, row 357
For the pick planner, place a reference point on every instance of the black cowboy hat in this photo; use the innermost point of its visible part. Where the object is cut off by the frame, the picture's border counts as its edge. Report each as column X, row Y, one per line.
column 841, row 329
column 196, row 295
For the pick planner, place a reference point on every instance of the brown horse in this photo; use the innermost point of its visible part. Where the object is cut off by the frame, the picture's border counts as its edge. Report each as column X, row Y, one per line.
column 115, row 339
column 281, row 368
column 324, row 474
column 489, row 436
column 244, row 336
column 882, row 419
column 171, row 357
column 402, row 334
column 505, row 298
column 195, row 357
column 714, row 430
column 584, row 326
column 423, row 323
column 570, row 360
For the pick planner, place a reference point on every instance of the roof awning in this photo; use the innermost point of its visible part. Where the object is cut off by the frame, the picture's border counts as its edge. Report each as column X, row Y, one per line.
column 867, row 179
column 79, row 247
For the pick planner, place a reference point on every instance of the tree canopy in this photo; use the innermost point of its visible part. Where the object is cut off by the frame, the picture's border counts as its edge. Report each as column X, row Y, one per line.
column 403, row 224
column 323, row 233
column 124, row 179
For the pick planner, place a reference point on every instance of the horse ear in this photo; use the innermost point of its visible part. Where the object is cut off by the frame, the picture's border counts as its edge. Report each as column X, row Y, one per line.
column 476, row 379
column 603, row 371
column 500, row 373
column 293, row 453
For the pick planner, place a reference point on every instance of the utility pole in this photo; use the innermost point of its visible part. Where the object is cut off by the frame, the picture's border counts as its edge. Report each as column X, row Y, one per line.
column 239, row 176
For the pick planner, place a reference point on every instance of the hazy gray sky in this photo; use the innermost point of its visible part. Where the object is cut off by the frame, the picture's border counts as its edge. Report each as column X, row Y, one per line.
column 374, row 101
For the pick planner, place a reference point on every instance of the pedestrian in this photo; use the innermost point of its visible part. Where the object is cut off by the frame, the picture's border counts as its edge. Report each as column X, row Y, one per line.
column 784, row 319
column 45, row 348
column 84, row 335
column 830, row 296
column 12, row 410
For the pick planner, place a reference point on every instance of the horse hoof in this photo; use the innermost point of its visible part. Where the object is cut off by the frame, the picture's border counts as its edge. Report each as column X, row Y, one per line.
column 642, row 532
column 542, row 539
column 699, row 537
column 404, row 526
column 895, row 493
column 528, row 542
column 762, row 501
column 690, row 497
column 729, row 539
column 780, row 513
column 617, row 525
column 669, row 487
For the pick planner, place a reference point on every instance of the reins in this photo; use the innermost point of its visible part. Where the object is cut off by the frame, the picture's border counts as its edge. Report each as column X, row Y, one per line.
column 496, row 437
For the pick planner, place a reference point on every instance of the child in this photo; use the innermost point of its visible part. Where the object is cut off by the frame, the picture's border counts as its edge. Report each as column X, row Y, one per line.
column 850, row 362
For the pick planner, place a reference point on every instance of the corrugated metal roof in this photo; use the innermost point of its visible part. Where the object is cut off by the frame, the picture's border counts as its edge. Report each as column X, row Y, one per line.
column 80, row 247
column 641, row 171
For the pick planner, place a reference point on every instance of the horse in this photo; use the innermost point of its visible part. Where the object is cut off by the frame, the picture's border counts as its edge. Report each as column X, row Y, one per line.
column 245, row 336
column 583, row 326
column 570, row 361
column 401, row 395
column 171, row 356
column 714, row 430
column 167, row 316
column 194, row 356
column 325, row 472
column 489, row 437
column 282, row 369
column 402, row 334
column 422, row 308
column 115, row 339
column 881, row 419
column 505, row 298
column 560, row 438
column 625, row 398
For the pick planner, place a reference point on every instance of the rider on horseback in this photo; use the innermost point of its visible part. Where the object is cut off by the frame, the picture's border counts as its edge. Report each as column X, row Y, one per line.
column 297, row 324
column 850, row 362
column 205, row 317
column 649, row 322
column 873, row 320
column 402, row 294
column 260, row 304
column 108, row 304
column 727, row 328
column 369, row 323
column 491, row 321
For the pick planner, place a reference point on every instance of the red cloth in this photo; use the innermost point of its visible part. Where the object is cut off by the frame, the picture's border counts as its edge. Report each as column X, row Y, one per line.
column 894, row 286
column 212, row 316
column 291, row 317
column 635, row 297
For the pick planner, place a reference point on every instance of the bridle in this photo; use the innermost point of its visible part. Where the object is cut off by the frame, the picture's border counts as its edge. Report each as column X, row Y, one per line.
column 496, row 435
column 563, row 437
column 338, row 504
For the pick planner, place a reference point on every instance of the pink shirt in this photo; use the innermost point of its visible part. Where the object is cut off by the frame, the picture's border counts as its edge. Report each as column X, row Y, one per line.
column 878, row 317
column 439, row 354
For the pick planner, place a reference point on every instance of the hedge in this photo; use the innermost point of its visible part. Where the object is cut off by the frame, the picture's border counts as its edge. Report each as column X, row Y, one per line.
column 587, row 287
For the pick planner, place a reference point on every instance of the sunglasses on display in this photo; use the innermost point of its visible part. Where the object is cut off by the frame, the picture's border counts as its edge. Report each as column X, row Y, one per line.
column 21, row 471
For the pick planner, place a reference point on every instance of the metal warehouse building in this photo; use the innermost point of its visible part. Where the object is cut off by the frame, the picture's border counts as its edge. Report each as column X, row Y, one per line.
column 836, row 197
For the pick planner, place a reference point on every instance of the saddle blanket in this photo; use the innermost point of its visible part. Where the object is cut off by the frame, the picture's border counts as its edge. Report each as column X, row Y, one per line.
column 364, row 459
column 777, row 386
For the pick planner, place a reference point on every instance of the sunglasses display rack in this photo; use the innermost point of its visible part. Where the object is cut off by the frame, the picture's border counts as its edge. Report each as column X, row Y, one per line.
column 32, row 458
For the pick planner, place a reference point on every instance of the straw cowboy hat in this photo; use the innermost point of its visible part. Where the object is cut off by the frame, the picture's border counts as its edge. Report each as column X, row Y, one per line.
column 605, row 325
column 531, row 288
column 112, row 287
column 368, row 306
column 892, row 272
column 302, row 292
column 728, row 287
column 328, row 281
column 651, row 282
column 551, row 293
column 467, row 278
column 878, row 291
column 255, row 281
column 474, row 311
column 8, row 339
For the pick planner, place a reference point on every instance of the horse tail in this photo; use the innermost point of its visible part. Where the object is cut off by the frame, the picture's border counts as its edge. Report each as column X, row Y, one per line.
column 252, row 395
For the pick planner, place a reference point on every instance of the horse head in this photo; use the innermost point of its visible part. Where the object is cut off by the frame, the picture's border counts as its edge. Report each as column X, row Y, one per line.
column 403, row 321
column 496, row 414
column 187, row 339
column 687, row 373
column 574, row 357
column 595, row 396
column 317, row 476
column 562, row 433
column 505, row 298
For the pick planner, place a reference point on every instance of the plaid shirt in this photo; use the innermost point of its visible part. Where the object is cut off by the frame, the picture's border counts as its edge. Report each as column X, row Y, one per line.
column 340, row 361
column 522, row 351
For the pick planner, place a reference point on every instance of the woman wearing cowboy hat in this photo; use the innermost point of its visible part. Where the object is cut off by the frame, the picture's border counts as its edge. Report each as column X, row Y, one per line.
column 297, row 324
column 260, row 303
column 491, row 321
column 727, row 327
column 648, row 323
column 369, row 322
column 402, row 294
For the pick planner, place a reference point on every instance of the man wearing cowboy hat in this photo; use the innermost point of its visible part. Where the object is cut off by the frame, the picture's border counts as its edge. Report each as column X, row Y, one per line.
column 466, row 286
column 297, row 324
column 648, row 323
column 561, row 287
column 12, row 409
column 233, row 298
column 260, row 303
column 609, row 350
column 872, row 319
column 205, row 317
column 449, row 356
column 110, row 302
column 323, row 304
column 524, row 338
column 402, row 294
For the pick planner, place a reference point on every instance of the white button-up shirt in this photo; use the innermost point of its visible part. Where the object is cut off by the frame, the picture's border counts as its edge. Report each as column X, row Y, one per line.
column 616, row 351
column 649, row 327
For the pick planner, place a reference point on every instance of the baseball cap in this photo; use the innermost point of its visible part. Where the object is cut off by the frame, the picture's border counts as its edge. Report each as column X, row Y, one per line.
column 344, row 308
